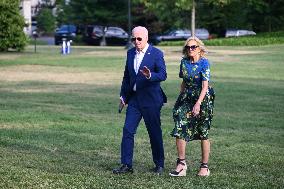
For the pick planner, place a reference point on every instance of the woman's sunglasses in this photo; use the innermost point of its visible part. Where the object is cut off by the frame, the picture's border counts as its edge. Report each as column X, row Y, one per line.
column 192, row 47
column 134, row 39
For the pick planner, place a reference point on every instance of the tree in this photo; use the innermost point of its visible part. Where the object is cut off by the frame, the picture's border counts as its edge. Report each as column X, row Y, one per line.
column 11, row 26
column 45, row 20
column 171, row 13
column 102, row 12
column 162, row 15
column 63, row 13
column 266, row 15
column 219, row 15
column 141, row 16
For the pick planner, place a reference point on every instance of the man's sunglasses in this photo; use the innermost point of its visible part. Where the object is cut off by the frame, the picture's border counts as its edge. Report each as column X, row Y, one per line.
column 192, row 47
column 134, row 39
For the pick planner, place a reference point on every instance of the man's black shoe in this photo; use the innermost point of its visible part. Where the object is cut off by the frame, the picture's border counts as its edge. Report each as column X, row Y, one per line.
column 122, row 170
column 158, row 170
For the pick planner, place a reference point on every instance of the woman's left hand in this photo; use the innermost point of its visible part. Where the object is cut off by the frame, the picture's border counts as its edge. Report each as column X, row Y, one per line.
column 196, row 109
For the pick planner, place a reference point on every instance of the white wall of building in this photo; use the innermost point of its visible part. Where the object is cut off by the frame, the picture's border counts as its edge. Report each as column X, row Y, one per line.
column 29, row 9
column 25, row 7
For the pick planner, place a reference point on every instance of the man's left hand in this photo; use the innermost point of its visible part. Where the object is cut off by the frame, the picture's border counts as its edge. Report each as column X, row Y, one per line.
column 146, row 72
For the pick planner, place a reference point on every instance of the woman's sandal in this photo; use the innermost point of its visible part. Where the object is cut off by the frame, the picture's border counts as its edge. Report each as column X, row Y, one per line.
column 204, row 165
column 181, row 172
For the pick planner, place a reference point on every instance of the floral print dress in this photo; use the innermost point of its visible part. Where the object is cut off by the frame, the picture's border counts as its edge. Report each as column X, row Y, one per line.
column 188, row 127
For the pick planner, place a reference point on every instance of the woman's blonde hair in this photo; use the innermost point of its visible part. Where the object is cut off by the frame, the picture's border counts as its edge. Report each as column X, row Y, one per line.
column 201, row 45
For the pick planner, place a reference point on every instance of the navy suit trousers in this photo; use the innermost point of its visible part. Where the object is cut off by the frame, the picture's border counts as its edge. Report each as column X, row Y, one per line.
column 151, row 116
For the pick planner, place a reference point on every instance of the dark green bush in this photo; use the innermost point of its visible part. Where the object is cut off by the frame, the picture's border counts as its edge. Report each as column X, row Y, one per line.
column 78, row 40
column 46, row 21
column 257, row 40
column 11, row 26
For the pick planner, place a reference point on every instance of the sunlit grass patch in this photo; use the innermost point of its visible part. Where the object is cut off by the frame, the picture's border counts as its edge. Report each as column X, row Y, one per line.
column 59, row 125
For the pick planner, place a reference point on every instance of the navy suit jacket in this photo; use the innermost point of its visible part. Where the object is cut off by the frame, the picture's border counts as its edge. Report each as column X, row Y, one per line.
column 148, row 91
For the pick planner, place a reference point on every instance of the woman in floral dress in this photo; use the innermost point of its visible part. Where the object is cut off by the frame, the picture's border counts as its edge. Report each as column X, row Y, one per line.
column 193, row 110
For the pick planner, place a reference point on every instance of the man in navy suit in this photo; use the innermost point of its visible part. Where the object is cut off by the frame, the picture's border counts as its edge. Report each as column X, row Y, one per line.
column 144, row 70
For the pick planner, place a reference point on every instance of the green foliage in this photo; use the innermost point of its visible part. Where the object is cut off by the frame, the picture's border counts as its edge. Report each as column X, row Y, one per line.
column 219, row 15
column 46, row 21
column 162, row 15
column 11, row 26
column 168, row 12
column 63, row 14
column 258, row 40
column 266, row 15
column 78, row 40
column 104, row 12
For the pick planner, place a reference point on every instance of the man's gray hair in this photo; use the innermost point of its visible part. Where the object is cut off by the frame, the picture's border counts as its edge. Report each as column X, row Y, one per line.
column 140, row 28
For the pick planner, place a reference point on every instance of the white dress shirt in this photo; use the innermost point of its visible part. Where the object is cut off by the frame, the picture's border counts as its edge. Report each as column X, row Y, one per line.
column 137, row 61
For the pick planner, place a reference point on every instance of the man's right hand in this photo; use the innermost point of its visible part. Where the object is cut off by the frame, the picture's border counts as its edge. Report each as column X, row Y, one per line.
column 121, row 105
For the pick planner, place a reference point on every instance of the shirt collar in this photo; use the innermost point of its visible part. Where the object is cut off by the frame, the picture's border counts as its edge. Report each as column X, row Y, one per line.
column 143, row 50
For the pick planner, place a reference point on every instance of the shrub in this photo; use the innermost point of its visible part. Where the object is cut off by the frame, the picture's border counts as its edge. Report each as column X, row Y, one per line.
column 257, row 40
column 11, row 26
column 46, row 21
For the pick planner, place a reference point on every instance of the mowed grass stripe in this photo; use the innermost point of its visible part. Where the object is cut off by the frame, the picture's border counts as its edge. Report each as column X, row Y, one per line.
column 59, row 126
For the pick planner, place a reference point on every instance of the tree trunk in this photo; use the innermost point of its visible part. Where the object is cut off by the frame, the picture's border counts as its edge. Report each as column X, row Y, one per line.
column 193, row 19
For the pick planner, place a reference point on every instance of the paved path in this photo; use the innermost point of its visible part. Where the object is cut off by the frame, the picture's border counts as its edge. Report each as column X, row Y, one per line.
column 49, row 40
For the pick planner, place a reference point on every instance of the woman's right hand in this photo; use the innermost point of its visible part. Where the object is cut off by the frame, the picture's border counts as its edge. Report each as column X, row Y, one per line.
column 196, row 109
column 182, row 87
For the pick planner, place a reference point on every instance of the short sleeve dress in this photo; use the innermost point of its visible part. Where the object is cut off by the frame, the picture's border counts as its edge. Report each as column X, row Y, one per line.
column 188, row 127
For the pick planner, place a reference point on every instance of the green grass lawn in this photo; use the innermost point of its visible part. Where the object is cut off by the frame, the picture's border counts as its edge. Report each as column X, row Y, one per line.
column 59, row 126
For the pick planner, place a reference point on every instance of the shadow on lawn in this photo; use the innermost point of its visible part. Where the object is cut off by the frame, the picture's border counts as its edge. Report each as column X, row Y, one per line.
column 58, row 152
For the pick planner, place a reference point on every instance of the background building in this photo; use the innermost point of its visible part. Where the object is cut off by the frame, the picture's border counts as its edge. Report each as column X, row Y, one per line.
column 29, row 10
